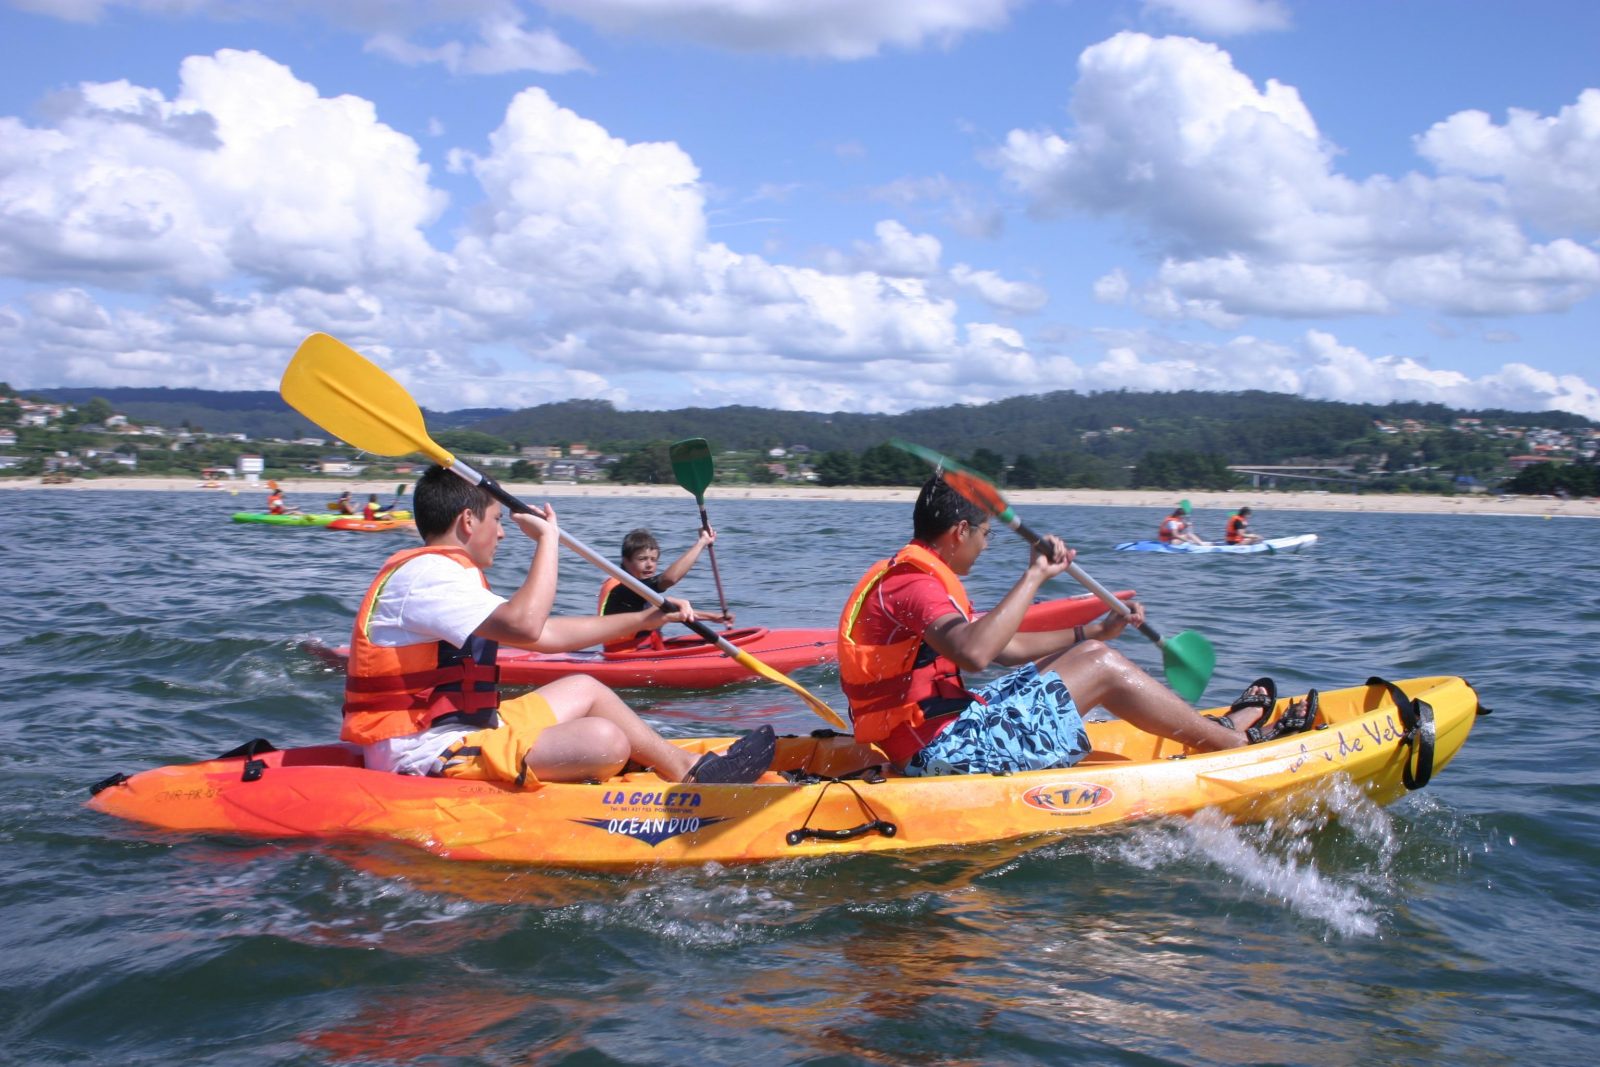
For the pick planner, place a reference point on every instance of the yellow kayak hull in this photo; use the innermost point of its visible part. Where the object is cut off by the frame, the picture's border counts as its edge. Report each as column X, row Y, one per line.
column 639, row 819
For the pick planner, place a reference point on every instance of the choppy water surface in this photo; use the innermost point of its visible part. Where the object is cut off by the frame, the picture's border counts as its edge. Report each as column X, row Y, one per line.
column 1456, row 925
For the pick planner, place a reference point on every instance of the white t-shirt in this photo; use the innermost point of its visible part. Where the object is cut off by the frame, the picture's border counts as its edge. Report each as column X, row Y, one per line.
column 429, row 598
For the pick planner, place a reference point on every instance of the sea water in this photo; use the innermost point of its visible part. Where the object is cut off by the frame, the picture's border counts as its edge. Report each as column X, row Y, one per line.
column 1456, row 925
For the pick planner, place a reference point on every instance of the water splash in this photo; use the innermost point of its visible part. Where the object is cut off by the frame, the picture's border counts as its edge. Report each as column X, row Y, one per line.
column 1330, row 861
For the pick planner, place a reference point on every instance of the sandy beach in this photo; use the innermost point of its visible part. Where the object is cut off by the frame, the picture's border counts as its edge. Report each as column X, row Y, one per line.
column 311, row 490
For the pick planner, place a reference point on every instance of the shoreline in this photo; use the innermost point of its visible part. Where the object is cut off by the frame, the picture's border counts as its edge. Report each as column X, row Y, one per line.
column 1265, row 500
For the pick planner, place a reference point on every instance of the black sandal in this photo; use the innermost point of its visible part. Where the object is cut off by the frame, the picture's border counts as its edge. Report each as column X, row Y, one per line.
column 1297, row 718
column 745, row 760
column 1265, row 701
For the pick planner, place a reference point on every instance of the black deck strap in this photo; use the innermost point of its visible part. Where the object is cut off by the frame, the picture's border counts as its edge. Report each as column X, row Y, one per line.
column 873, row 824
column 1417, row 733
column 872, row 774
column 249, row 750
column 107, row 783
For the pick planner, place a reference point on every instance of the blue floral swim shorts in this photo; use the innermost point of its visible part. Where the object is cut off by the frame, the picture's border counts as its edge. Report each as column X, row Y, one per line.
column 1026, row 722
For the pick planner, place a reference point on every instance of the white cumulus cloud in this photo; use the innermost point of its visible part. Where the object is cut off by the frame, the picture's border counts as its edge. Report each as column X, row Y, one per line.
column 1240, row 192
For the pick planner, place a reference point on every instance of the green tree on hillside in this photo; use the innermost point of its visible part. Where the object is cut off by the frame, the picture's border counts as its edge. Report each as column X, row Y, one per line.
column 1183, row 470
column 837, row 468
column 650, row 465
column 473, row 441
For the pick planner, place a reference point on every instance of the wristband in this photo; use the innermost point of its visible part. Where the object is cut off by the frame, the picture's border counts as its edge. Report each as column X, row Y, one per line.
column 1077, row 635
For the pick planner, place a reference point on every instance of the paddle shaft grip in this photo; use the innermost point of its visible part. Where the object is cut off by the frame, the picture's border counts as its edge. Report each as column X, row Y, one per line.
column 711, row 552
column 1082, row 577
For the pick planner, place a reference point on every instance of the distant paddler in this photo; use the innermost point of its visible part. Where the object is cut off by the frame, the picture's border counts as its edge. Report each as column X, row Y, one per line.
column 1177, row 528
column 275, row 504
column 1239, row 529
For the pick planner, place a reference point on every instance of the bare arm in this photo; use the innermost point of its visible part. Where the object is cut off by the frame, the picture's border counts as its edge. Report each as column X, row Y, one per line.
column 680, row 566
column 521, row 620
column 565, row 633
column 1027, row 647
column 975, row 644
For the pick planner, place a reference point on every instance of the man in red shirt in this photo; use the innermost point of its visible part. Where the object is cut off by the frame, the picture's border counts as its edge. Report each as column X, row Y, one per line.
column 908, row 631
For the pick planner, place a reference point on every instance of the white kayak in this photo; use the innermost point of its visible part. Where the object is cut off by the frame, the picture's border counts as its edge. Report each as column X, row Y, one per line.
column 1271, row 544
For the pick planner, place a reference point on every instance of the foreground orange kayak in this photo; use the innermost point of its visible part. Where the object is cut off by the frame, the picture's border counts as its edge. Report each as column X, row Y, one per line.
column 688, row 662
column 824, row 796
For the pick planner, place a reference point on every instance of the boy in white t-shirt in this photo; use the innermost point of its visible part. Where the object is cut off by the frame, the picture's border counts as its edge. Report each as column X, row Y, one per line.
column 420, row 692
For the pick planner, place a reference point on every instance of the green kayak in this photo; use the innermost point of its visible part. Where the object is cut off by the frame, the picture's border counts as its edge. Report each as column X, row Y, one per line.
column 268, row 519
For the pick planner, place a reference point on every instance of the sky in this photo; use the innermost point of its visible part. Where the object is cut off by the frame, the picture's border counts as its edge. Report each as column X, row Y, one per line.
column 827, row 206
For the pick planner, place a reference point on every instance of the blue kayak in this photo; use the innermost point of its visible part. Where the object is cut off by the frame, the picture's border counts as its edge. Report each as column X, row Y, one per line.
column 1271, row 544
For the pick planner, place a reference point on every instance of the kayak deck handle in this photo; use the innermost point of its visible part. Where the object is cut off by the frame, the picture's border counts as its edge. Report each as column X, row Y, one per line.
column 882, row 826
column 874, row 824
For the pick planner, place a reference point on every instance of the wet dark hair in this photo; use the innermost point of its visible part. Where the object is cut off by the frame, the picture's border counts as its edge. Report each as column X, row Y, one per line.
column 1244, row 511
column 939, row 508
column 441, row 495
column 638, row 541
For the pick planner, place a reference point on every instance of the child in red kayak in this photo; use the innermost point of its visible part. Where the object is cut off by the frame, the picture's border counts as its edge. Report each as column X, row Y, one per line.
column 641, row 557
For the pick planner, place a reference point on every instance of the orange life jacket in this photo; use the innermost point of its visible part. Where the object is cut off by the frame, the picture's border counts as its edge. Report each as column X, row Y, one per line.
column 641, row 640
column 890, row 686
column 1236, row 525
column 392, row 692
column 1171, row 528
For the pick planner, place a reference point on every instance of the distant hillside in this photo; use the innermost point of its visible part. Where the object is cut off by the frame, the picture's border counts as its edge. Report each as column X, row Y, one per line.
column 1246, row 427
column 260, row 413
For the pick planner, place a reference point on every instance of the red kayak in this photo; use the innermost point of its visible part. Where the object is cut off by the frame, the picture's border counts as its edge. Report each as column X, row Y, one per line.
column 689, row 662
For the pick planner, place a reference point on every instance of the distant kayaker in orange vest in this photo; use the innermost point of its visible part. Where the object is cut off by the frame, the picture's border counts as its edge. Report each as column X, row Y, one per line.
column 275, row 504
column 421, row 687
column 1238, row 529
column 1176, row 527
column 372, row 509
column 908, row 631
column 641, row 556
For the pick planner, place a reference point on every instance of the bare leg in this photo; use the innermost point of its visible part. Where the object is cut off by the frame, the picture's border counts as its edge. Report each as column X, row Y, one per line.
column 597, row 732
column 1096, row 674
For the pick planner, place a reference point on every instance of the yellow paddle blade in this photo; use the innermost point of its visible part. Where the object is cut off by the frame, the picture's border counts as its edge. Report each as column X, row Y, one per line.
column 750, row 663
column 348, row 395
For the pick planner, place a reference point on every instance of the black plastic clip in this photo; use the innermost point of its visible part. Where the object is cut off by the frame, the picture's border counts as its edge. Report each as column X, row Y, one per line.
column 107, row 783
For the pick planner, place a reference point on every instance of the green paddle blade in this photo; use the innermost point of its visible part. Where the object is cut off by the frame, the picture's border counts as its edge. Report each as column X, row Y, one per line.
column 964, row 480
column 691, row 465
column 1184, row 504
column 1189, row 661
